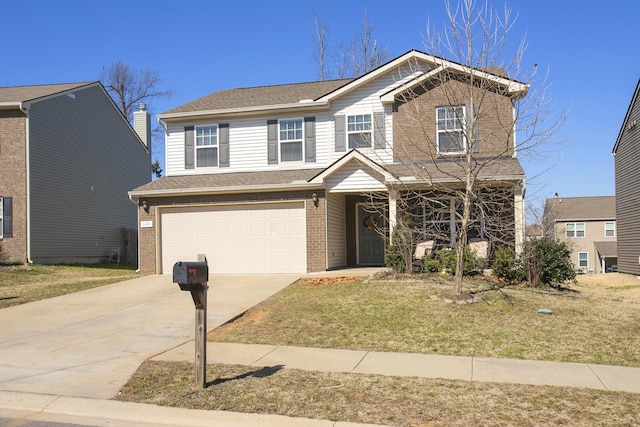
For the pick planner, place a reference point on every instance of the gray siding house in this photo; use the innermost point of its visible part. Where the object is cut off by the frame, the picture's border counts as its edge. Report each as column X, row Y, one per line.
column 626, row 154
column 67, row 159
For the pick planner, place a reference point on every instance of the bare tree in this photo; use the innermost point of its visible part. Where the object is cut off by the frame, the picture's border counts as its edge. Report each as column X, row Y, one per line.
column 320, row 37
column 128, row 87
column 353, row 59
column 479, row 100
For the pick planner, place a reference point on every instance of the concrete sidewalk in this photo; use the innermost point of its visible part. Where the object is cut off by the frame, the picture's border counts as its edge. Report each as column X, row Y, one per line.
column 599, row 377
column 62, row 359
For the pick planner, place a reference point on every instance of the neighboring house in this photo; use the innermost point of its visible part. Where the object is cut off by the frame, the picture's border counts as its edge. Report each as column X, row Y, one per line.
column 626, row 154
column 588, row 226
column 281, row 178
column 67, row 159
column 534, row 231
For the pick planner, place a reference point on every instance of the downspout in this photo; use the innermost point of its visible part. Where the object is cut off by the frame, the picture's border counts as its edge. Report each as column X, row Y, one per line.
column 27, row 149
column 136, row 202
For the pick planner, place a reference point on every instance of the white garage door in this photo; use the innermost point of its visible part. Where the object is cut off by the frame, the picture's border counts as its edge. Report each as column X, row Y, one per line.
column 248, row 238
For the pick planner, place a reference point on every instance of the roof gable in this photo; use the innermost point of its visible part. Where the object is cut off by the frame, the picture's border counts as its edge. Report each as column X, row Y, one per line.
column 320, row 94
column 18, row 94
column 626, row 123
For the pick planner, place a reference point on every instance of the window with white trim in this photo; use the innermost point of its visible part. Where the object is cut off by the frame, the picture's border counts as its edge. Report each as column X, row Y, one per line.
column 290, row 140
column 610, row 229
column 359, row 131
column 575, row 229
column 583, row 259
column 206, row 146
column 450, row 135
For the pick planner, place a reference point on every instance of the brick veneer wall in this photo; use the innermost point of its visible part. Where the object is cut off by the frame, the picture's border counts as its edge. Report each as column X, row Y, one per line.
column 13, row 180
column 315, row 221
column 414, row 121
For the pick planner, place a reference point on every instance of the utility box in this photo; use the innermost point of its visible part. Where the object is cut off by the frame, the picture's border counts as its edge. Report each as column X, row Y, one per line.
column 190, row 275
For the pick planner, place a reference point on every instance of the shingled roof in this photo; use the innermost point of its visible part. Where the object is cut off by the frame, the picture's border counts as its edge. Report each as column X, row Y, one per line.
column 582, row 208
column 17, row 94
column 507, row 168
column 260, row 96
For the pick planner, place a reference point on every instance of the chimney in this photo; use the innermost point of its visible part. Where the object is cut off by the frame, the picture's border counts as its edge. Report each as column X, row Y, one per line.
column 142, row 126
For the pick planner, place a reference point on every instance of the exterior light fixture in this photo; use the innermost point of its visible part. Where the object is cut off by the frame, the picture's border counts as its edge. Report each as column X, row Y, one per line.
column 145, row 206
column 315, row 200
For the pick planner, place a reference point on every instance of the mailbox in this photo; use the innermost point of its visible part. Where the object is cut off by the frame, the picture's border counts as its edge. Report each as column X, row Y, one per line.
column 190, row 275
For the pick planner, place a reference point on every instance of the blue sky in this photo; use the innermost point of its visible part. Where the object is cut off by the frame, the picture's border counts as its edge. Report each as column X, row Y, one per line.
column 199, row 47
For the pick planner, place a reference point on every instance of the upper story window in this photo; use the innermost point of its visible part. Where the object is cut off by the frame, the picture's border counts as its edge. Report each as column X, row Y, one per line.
column 575, row 229
column 290, row 140
column 450, row 135
column 206, row 146
column 610, row 229
column 359, row 131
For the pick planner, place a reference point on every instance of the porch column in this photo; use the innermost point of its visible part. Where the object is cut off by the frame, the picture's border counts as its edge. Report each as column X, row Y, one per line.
column 518, row 204
column 393, row 206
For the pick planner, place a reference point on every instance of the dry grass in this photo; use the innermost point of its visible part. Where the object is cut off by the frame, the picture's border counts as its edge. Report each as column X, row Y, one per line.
column 378, row 400
column 23, row 284
column 595, row 322
column 590, row 324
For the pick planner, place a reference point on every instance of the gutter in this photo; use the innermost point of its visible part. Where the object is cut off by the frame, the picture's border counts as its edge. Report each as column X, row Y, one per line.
column 236, row 189
column 256, row 110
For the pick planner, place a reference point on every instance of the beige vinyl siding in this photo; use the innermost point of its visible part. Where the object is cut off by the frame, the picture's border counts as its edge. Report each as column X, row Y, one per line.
column 628, row 195
column 594, row 232
column 83, row 158
column 354, row 177
column 336, row 231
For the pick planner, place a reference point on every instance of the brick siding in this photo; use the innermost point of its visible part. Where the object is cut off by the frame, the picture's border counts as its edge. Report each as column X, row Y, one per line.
column 13, row 180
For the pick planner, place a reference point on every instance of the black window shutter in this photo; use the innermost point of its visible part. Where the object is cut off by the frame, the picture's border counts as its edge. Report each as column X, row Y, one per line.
column 378, row 132
column 272, row 142
column 309, row 139
column 189, row 149
column 224, row 144
column 339, row 125
column 7, row 217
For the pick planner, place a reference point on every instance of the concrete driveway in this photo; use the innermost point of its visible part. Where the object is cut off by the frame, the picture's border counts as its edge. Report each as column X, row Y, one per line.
column 88, row 344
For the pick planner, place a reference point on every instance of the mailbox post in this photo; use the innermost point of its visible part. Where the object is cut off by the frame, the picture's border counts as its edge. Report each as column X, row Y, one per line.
column 193, row 277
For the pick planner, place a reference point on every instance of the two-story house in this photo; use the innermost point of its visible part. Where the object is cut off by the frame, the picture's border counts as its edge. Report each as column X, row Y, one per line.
column 588, row 226
column 68, row 157
column 303, row 177
column 626, row 154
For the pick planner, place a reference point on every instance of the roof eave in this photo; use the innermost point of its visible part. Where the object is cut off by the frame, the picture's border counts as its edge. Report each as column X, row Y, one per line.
column 247, row 111
column 237, row 189
column 10, row 105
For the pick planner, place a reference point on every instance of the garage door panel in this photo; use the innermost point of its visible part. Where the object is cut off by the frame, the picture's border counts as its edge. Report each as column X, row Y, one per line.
column 251, row 238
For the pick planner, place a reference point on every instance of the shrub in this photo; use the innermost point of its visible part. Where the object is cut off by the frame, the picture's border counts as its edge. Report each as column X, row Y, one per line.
column 507, row 266
column 548, row 262
column 447, row 259
column 432, row 265
column 394, row 259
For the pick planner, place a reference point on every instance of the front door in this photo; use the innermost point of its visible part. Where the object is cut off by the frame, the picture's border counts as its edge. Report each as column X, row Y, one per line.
column 370, row 242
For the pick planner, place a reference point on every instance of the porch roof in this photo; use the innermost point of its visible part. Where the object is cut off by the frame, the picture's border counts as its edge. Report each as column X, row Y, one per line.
column 504, row 169
column 607, row 249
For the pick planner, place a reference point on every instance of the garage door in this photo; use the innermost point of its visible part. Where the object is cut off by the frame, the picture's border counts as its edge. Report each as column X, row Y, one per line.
column 248, row 238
